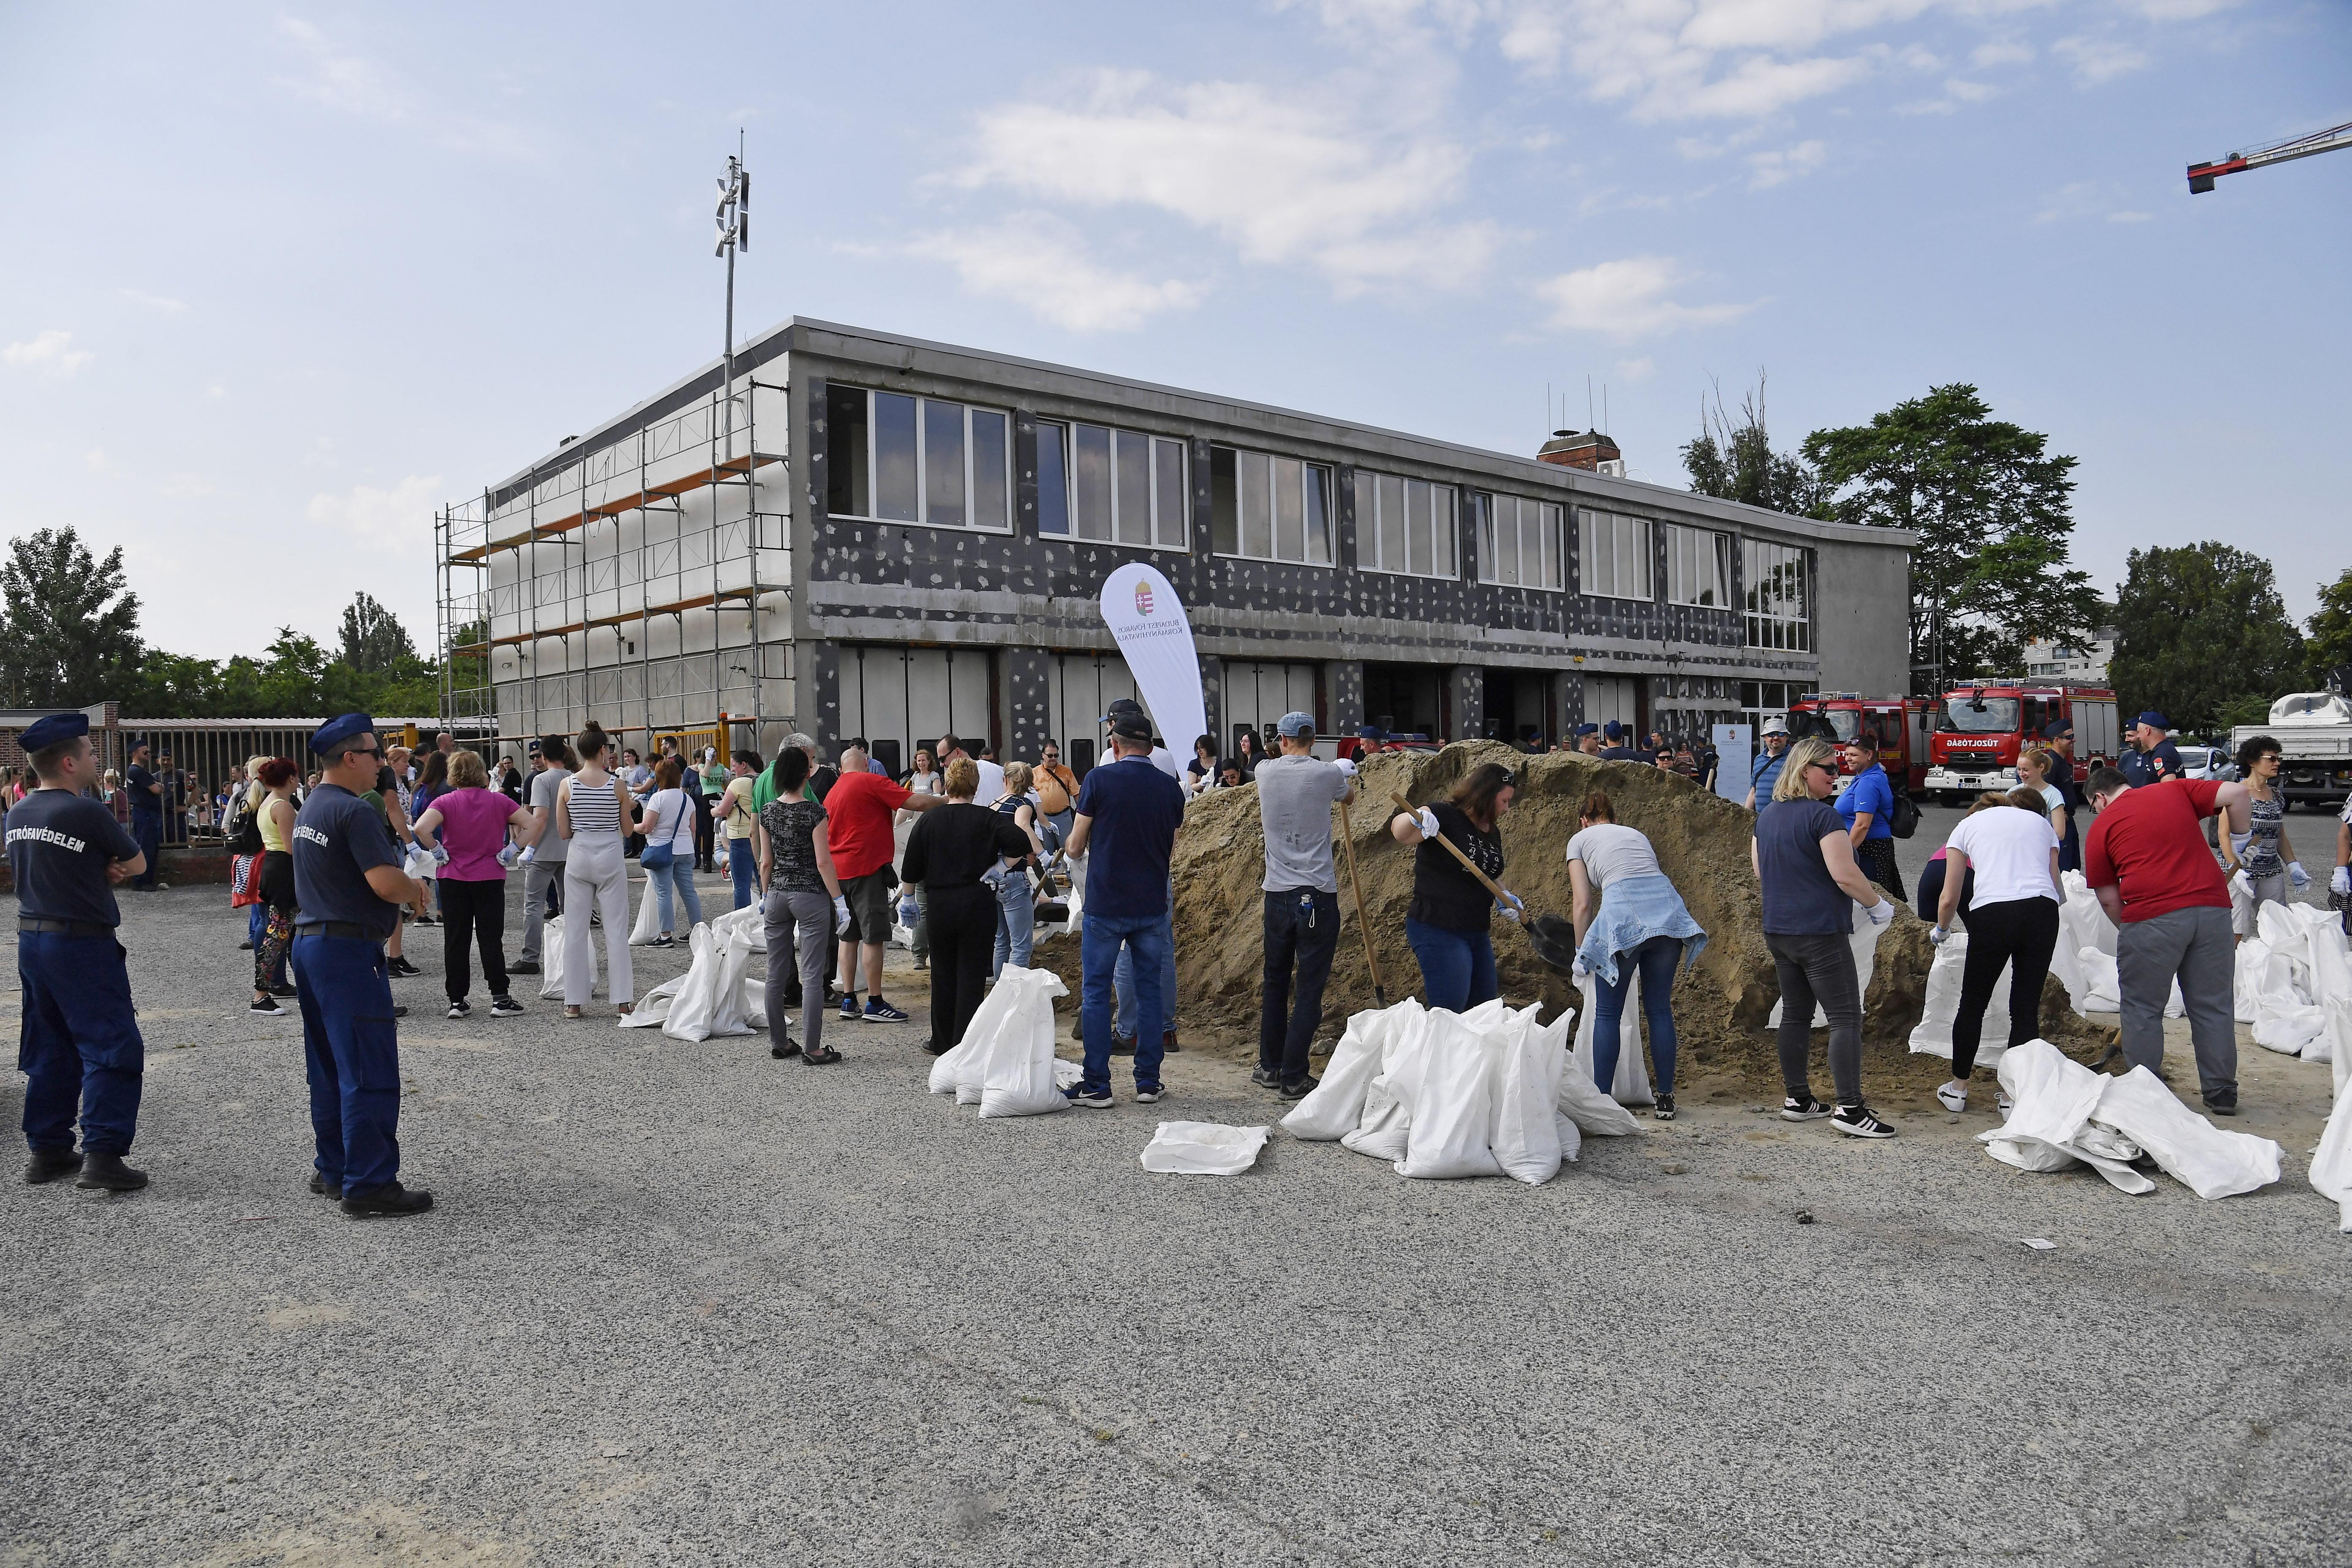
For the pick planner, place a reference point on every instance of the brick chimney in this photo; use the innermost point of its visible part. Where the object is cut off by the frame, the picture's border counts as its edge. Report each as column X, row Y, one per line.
column 1590, row 450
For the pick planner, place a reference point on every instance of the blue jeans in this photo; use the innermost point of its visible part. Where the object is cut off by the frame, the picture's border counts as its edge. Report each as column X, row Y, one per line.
column 1301, row 923
column 1103, row 942
column 678, row 874
column 744, row 867
column 256, row 922
column 1656, row 959
column 147, row 831
column 1457, row 967
column 1016, row 923
column 1124, row 979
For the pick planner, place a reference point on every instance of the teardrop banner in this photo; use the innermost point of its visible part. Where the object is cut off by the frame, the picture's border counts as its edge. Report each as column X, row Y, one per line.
column 1156, row 638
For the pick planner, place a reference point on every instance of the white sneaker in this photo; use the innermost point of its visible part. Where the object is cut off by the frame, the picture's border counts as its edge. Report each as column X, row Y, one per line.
column 2007, row 1105
column 1953, row 1096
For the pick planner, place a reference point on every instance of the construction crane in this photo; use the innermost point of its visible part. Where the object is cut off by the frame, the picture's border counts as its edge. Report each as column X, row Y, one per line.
column 2203, row 175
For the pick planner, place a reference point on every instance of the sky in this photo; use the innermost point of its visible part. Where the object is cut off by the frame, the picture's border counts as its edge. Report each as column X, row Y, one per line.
column 275, row 281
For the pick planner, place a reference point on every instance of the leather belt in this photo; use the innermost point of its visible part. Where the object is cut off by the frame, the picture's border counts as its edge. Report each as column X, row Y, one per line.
column 64, row 928
column 336, row 927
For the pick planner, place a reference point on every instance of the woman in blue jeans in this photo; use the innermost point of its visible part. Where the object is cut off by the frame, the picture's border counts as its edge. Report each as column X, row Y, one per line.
column 668, row 822
column 1016, row 898
column 1642, row 925
column 1446, row 924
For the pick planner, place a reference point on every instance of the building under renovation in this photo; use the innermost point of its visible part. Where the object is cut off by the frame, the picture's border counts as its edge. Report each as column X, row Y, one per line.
column 865, row 535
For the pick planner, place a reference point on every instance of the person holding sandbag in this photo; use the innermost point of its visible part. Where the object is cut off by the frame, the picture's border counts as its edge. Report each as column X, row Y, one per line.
column 1446, row 924
column 1642, row 924
column 2009, row 852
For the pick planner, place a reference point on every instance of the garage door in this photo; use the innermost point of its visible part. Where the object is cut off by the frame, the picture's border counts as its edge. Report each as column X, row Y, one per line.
column 902, row 698
column 1258, row 694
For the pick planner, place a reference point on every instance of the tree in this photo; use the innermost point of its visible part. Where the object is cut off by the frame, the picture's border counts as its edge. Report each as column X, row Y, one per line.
column 1993, row 512
column 2329, row 647
column 73, row 622
column 373, row 638
column 1736, row 461
column 2202, row 636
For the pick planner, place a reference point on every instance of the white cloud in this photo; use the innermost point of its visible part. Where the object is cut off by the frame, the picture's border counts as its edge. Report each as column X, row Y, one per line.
column 1281, row 177
column 2097, row 61
column 1041, row 261
column 1780, row 165
column 2088, row 199
column 1956, row 93
column 2176, row 10
column 1627, row 299
column 399, row 520
column 1640, row 369
column 2001, row 52
column 154, row 302
column 95, row 459
column 51, row 353
column 350, row 83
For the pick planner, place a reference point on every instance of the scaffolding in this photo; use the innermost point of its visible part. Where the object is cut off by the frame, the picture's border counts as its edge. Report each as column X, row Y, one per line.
column 644, row 584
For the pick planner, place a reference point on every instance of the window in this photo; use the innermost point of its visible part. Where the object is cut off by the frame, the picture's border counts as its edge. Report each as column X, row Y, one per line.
column 898, row 458
column 1269, row 509
column 1698, row 567
column 1775, row 595
column 1408, row 525
column 1115, row 486
column 1519, row 541
column 1615, row 553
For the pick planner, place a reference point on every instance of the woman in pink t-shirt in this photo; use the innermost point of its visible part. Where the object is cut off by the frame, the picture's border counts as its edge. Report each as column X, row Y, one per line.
column 469, row 824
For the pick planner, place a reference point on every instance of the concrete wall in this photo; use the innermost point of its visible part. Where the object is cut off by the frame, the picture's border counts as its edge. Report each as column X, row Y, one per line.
column 1861, row 610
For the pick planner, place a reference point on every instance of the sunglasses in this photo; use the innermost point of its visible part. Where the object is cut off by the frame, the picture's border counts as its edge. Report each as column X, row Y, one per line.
column 1824, row 767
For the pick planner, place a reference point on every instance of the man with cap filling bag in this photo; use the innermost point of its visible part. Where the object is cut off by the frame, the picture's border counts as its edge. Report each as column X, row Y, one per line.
column 2153, row 758
column 1764, row 770
column 79, row 1047
column 1128, row 813
column 349, row 883
column 1294, row 792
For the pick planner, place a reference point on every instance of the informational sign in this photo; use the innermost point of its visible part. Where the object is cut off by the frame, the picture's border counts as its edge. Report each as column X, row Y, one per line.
column 1156, row 638
column 1735, row 751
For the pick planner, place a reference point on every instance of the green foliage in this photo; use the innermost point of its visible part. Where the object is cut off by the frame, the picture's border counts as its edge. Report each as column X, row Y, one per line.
column 2329, row 647
column 72, row 623
column 374, row 639
column 2202, row 634
column 1994, row 514
column 1735, row 461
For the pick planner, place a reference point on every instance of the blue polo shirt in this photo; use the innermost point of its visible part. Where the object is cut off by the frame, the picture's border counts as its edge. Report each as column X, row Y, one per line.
column 1869, row 792
column 1134, row 809
column 1764, row 772
column 338, row 839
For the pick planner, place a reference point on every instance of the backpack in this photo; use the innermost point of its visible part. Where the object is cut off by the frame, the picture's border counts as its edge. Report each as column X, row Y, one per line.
column 1903, row 820
column 244, row 830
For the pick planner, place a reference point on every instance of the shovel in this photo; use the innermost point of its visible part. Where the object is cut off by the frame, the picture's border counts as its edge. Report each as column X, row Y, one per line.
column 1553, row 938
column 1348, row 843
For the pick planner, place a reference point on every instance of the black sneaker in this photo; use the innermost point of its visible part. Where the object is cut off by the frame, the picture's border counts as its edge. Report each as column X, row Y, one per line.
column 665, row 940
column 1665, row 1110
column 1153, row 1096
column 49, row 1164
column 389, row 1201
column 523, row 966
column 1121, row 1044
column 245, row 946
column 282, row 989
column 1086, row 1099
column 1168, row 1045
column 504, row 1008
column 1266, row 1078
column 2227, row 1106
column 109, row 1172
column 267, row 1007
column 1805, row 1110
column 459, row 1008
column 1860, row 1121
column 402, row 967
column 1302, row 1088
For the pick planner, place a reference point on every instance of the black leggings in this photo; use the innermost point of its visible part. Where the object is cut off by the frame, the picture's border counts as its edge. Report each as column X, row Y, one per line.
column 2021, row 934
column 475, row 912
column 964, row 941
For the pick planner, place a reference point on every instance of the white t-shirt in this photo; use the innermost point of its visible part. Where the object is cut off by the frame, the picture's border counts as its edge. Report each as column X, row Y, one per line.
column 2008, row 849
column 671, row 816
column 1611, row 853
column 991, row 780
column 1165, row 760
column 2052, row 797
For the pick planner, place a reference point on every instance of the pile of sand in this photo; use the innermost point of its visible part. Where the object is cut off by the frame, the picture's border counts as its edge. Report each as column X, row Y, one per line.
column 1702, row 844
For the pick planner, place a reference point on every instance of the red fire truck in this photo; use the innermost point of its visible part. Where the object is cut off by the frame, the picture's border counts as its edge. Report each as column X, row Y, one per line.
column 1980, row 724
column 1901, row 726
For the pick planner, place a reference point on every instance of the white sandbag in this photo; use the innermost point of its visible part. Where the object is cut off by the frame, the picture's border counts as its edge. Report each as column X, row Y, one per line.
column 2242, row 907
column 1016, row 1075
column 2049, row 1127
column 1865, row 959
column 648, row 924
column 960, row 1069
column 2066, row 963
column 1525, row 1136
column 2289, row 1027
column 1932, row 1036
column 1075, row 865
column 1630, row 1085
column 2250, row 977
column 2331, row 1163
column 696, row 999
column 550, row 962
column 1337, row 1104
column 1453, row 1102
column 1584, row 1103
column 2106, row 993
column 1380, row 1131
column 1202, row 1149
column 2081, row 920
column 652, row 1007
column 731, row 1009
column 2331, row 963
column 2339, row 1042
column 2207, row 1161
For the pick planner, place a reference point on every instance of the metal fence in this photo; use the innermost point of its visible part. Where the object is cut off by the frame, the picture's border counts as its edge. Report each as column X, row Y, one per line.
column 192, row 758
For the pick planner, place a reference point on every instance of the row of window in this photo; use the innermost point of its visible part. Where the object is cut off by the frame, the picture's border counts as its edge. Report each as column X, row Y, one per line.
column 895, row 458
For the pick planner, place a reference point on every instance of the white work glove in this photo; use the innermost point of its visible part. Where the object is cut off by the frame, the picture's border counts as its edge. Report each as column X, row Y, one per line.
column 2298, row 875
column 2237, row 842
column 440, row 855
column 1579, row 969
column 1936, row 935
column 508, row 855
column 2339, row 881
column 2241, row 884
column 1347, row 765
column 525, row 858
column 1882, row 913
column 1511, row 906
column 418, row 863
column 908, row 910
column 840, row 915
column 1426, row 820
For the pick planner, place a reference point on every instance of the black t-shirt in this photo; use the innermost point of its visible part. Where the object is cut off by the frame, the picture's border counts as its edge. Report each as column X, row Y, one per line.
column 142, row 784
column 338, row 839
column 58, row 845
column 954, row 846
column 1446, row 895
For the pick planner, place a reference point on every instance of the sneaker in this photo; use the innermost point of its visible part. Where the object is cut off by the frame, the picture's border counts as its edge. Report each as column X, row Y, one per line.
column 922, row 961
column 1860, row 1122
column 267, row 1007
column 880, row 1012
column 504, row 1008
column 1153, row 1096
column 1805, row 1110
column 1086, row 1099
column 2225, row 1106
column 523, row 966
column 283, row 990
column 665, row 940
column 403, row 968
column 1168, row 1045
column 1953, row 1097
column 2007, row 1105
column 1663, row 1110
column 459, row 1008
column 1302, row 1088
column 1266, row 1078
column 848, row 1010
column 246, row 946
column 1121, row 1044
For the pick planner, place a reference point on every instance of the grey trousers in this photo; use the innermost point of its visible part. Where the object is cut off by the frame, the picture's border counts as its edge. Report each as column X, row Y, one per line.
column 2195, row 947
column 1817, row 969
column 537, row 878
column 798, row 925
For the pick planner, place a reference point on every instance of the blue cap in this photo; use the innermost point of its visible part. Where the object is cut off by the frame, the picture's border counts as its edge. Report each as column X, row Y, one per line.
column 2153, row 720
column 1613, row 730
column 334, row 731
column 1369, row 732
column 51, row 727
column 1296, row 724
column 2056, row 728
column 1587, row 729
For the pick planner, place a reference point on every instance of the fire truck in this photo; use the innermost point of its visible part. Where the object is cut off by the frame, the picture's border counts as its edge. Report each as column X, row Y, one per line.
column 1980, row 724
column 1900, row 725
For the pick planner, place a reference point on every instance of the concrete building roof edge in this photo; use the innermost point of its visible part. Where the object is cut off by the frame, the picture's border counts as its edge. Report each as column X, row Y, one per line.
column 758, row 350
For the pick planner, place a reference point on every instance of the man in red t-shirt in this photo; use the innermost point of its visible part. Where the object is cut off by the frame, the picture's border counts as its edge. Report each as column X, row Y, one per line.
column 858, row 813
column 2146, row 858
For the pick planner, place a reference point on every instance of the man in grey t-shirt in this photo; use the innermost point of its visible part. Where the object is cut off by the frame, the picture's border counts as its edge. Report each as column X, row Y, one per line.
column 544, row 869
column 1294, row 792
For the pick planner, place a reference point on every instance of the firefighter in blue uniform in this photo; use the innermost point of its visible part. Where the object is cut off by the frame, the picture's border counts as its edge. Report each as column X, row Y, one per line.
column 79, row 1049
column 350, row 887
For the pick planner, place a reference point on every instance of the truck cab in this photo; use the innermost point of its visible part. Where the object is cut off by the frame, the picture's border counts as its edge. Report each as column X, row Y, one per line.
column 1982, row 725
column 1899, row 725
column 2313, row 732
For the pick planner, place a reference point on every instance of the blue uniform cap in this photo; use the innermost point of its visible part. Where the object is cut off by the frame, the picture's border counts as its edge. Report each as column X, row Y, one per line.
column 2153, row 720
column 1295, row 725
column 51, row 727
column 2056, row 728
column 336, row 731
column 1613, row 730
column 1587, row 729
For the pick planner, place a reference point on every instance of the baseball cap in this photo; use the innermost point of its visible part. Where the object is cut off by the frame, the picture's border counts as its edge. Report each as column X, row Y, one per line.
column 1775, row 727
column 1369, row 732
column 1295, row 725
column 1128, row 723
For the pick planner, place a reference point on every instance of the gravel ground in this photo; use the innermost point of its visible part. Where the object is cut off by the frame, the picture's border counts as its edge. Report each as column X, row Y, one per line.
column 682, row 1303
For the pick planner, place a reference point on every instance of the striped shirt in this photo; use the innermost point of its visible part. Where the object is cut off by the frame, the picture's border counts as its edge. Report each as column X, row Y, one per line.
column 595, row 809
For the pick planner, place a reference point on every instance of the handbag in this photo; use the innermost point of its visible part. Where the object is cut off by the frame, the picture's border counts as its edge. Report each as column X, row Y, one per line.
column 656, row 856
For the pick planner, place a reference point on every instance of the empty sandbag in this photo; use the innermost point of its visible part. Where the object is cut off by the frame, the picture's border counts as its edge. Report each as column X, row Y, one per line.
column 1202, row 1149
